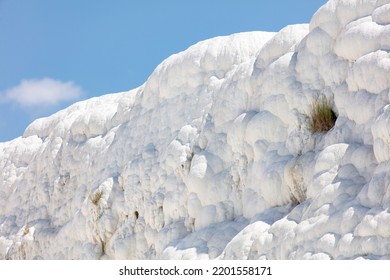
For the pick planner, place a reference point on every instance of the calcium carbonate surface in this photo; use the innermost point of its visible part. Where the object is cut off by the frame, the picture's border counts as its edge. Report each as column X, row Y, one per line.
column 213, row 158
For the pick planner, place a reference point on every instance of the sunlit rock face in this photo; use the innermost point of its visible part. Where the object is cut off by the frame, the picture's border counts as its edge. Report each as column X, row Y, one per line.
column 213, row 157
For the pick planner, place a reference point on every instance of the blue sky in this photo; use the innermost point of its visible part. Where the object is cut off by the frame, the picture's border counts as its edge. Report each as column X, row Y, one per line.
column 56, row 52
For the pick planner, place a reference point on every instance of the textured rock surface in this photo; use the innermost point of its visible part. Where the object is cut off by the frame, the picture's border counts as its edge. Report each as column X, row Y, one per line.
column 212, row 157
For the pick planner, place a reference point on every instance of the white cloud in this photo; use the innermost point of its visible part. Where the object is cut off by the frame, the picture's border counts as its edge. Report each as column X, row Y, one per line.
column 45, row 92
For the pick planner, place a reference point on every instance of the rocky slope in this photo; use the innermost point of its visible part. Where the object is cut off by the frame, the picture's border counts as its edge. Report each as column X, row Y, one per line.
column 213, row 158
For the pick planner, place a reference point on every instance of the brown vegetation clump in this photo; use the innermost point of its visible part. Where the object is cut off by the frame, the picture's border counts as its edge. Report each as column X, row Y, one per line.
column 322, row 117
column 95, row 198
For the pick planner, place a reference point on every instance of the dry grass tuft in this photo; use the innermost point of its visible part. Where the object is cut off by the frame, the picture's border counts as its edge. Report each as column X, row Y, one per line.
column 322, row 117
column 95, row 198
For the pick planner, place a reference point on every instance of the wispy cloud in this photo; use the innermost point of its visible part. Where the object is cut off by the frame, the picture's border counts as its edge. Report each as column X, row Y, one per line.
column 42, row 93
